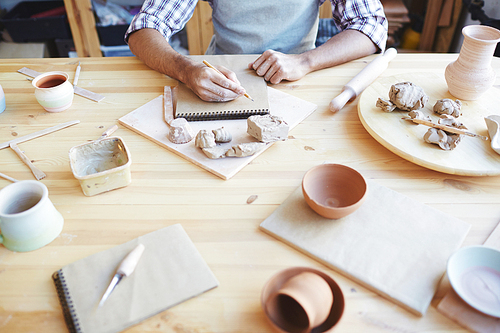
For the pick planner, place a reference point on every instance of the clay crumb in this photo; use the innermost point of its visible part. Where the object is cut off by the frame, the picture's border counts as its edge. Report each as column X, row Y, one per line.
column 222, row 135
column 252, row 198
column 444, row 140
column 408, row 96
column 415, row 114
column 386, row 105
column 205, row 139
column 451, row 121
column 448, row 106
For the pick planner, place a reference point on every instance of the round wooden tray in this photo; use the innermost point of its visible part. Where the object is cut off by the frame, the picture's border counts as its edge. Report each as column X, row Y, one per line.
column 472, row 156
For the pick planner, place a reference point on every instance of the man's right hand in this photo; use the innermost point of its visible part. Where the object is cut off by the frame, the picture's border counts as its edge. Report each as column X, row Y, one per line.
column 150, row 46
column 212, row 86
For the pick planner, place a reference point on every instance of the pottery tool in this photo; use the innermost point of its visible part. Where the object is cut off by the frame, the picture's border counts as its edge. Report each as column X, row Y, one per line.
column 126, row 268
column 218, row 71
column 446, row 128
column 8, row 178
column 77, row 74
column 39, row 133
column 39, row 174
column 79, row 91
column 362, row 80
column 180, row 131
column 109, row 131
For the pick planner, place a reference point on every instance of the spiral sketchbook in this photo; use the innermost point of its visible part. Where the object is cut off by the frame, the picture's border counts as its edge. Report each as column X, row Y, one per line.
column 192, row 108
column 169, row 272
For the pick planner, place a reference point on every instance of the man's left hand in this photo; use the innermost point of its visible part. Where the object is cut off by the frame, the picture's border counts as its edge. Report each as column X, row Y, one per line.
column 275, row 66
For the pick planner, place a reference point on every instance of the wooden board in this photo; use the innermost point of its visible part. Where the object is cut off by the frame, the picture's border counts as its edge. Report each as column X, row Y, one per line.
column 472, row 157
column 148, row 121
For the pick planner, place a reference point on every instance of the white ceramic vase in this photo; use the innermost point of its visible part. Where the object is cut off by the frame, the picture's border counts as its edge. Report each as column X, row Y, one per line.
column 471, row 74
column 53, row 91
column 28, row 219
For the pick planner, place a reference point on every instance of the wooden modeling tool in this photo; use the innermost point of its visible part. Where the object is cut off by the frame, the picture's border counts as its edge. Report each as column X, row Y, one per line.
column 39, row 174
column 363, row 79
column 126, row 268
column 218, row 71
column 8, row 178
column 77, row 74
column 180, row 131
column 109, row 131
column 446, row 128
column 79, row 91
column 39, row 133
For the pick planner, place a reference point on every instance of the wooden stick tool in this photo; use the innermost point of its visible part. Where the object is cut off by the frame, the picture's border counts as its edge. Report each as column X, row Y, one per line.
column 39, row 133
column 362, row 80
column 218, row 71
column 39, row 174
column 446, row 128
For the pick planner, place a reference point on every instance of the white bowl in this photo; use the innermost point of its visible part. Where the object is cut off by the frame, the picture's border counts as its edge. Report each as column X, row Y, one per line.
column 474, row 274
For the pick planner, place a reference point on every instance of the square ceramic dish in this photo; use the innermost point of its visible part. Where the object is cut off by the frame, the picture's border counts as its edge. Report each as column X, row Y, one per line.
column 101, row 165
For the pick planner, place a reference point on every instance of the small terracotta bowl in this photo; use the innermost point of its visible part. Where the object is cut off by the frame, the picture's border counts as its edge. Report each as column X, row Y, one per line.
column 277, row 283
column 333, row 190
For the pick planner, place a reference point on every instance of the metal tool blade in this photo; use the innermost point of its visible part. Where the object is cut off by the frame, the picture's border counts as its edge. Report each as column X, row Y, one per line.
column 116, row 279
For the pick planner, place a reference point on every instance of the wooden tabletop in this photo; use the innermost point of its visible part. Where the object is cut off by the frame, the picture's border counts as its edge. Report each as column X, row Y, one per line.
column 216, row 214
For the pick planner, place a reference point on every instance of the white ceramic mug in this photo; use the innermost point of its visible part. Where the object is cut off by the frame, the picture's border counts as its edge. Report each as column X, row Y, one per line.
column 53, row 91
column 2, row 100
column 28, row 219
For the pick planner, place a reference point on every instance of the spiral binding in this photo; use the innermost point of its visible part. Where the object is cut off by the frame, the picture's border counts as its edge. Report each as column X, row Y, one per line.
column 221, row 115
column 69, row 311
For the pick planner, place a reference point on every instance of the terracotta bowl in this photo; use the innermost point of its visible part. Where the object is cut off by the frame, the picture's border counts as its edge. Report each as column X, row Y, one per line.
column 276, row 283
column 333, row 190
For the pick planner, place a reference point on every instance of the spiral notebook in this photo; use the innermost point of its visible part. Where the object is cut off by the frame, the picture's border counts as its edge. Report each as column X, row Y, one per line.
column 169, row 272
column 192, row 108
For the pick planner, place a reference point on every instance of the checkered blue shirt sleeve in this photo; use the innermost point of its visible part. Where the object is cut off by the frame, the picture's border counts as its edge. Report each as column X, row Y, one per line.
column 166, row 16
column 366, row 16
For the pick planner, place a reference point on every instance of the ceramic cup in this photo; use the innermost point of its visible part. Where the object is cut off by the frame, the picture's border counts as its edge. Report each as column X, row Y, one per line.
column 2, row 100
column 53, row 91
column 301, row 304
column 28, row 219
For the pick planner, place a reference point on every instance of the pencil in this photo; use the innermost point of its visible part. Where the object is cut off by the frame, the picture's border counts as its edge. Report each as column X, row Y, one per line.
column 218, row 71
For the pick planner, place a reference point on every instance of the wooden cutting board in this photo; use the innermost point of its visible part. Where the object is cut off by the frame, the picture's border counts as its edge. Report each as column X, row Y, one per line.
column 148, row 121
column 472, row 157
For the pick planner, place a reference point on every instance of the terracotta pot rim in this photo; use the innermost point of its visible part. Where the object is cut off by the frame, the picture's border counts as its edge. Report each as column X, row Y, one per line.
column 338, row 305
column 44, row 75
column 340, row 208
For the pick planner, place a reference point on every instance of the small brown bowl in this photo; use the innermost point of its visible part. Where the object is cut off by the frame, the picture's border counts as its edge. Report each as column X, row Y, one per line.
column 276, row 282
column 333, row 190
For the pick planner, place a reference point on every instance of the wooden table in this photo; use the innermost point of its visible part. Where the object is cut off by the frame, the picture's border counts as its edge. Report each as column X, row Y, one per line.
column 167, row 189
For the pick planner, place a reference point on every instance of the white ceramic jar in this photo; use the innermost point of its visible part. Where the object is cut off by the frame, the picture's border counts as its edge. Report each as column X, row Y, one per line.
column 28, row 218
column 53, row 91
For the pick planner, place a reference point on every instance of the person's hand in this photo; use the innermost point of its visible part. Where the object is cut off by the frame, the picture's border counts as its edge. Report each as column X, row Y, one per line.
column 213, row 86
column 275, row 66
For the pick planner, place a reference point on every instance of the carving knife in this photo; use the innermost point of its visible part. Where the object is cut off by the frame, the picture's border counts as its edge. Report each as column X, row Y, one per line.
column 126, row 268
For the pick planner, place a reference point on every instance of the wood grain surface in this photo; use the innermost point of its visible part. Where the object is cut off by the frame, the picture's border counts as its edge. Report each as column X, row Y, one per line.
column 217, row 215
column 472, row 156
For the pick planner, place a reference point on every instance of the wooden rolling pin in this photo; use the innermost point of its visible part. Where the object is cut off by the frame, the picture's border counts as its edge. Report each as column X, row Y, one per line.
column 362, row 80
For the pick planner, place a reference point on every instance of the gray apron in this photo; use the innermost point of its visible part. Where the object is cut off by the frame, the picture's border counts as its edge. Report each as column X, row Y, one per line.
column 253, row 26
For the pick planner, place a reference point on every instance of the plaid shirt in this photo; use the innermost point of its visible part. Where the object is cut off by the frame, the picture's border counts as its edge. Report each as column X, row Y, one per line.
column 170, row 16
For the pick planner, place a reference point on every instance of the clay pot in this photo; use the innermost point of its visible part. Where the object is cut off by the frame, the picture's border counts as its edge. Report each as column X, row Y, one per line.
column 28, row 219
column 53, row 91
column 333, row 190
column 302, row 303
column 298, row 298
column 471, row 74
